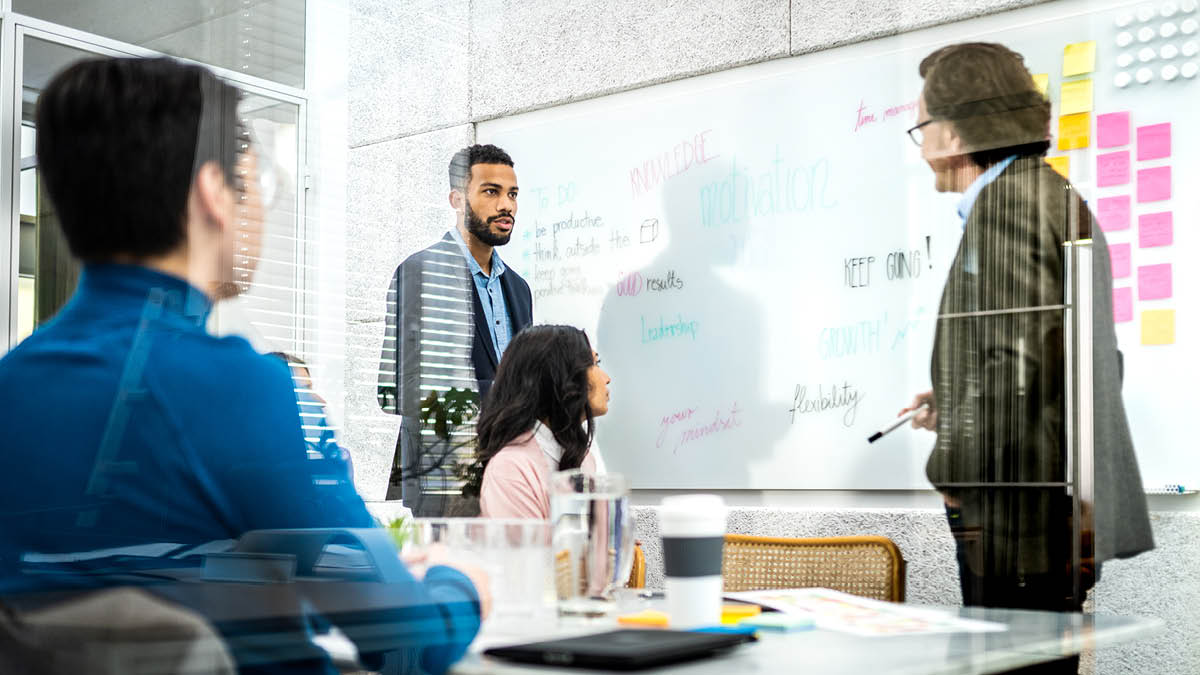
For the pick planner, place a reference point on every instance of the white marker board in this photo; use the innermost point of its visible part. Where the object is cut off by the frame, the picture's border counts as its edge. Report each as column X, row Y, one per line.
column 758, row 255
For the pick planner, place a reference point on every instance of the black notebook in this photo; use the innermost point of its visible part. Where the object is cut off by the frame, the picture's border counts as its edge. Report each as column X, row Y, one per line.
column 628, row 649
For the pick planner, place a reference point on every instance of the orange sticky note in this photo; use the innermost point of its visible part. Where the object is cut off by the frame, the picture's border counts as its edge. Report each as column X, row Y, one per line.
column 646, row 617
column 1042, row 82
column 1076, row 97
column 1079, row 58
column 1158, row 327
column 1061, row 164
column 1073, row 131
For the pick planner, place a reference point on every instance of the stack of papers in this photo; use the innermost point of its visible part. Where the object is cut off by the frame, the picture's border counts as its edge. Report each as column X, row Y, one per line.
column 842, row 612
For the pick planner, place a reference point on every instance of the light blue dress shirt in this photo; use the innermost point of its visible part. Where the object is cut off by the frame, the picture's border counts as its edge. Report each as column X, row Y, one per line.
column 970, row 265
column 972, row 192
column 491, row 295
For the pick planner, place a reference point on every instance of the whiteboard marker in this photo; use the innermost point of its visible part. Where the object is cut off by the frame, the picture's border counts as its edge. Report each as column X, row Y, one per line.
column 896, row 425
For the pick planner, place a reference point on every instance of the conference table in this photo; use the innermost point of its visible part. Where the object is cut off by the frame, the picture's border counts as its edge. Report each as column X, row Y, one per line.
column 259, row 623
column 1031, row 637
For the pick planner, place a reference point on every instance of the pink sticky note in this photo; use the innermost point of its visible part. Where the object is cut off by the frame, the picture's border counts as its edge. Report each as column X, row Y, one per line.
column 1112, row 168
column 1120, row 260
column 1154, row 282
column 1154, row 185
column 1113, row 213
column 1112, row 130
column 1154, row 141
column 1122, row 304
column 1156, row 229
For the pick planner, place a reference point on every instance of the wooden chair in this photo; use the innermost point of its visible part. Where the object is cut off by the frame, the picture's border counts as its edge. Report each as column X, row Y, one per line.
column 871, row 567
column 637, row 575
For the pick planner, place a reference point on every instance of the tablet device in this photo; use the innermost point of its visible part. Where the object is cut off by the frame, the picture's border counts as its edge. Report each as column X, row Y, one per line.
column 628, row 649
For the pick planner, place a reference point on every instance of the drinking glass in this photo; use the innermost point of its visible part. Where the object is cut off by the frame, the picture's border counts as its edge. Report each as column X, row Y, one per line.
column 515, row 554
column 592, row 540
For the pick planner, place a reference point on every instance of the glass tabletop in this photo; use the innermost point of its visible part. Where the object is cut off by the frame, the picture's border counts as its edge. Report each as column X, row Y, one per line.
column 1031, row 637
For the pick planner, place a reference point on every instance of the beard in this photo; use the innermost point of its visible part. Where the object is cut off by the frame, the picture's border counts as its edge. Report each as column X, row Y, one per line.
column 483, row 230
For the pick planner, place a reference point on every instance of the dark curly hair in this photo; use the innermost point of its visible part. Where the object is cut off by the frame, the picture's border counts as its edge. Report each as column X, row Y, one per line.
column 986, row 92
column 542, row 377
column 463, row 160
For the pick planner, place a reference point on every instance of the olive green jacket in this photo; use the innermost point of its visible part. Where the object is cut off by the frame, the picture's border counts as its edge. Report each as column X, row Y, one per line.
column 1000, row 379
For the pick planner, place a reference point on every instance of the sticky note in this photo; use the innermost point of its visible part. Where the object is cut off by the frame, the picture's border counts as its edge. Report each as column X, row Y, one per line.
column 1154, row 141
column 1112, row 129
column 1154, row 282
column 1061, row 164
column 1156, row 229
column 1113, row 213
column 733, row 613
column 1073, row 131
column 1120, row 260
column 1042, row 82
column 1154, row 185
column 1079, row 58
column 1112, row 168
column 646, row 617
column 1076, row 97
column 1122, row 305
column 1158, row 327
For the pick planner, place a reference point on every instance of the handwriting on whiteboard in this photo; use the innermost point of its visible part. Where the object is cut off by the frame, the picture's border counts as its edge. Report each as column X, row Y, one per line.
column 669, row 330
column 864, row 117
column 784, row 188
column 633, row 284
column 845, row 398
column 670, row 163
column 684, row 426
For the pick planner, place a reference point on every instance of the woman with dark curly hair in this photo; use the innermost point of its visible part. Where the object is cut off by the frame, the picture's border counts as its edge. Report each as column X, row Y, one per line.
column 539, row 417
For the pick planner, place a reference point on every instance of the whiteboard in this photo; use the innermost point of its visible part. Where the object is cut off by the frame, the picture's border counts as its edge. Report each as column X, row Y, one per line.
column 758, row 255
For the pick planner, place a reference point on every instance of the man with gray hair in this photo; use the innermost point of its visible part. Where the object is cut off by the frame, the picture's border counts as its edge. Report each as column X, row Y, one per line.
column 999, row 370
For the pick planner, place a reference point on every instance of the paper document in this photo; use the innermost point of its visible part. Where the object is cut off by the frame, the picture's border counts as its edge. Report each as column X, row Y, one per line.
column 842, row 612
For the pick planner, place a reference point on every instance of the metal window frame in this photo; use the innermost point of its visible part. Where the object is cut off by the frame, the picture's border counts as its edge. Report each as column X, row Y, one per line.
column 14, row 28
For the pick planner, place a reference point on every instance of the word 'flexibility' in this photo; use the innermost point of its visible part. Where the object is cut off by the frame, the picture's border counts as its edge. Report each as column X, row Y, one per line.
column 846, row 396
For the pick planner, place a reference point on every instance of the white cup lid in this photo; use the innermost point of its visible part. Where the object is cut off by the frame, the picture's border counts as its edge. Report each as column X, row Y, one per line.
column 697, row 515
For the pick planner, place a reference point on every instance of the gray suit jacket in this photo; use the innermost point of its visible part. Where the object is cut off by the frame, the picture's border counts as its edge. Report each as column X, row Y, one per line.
column 999, row 385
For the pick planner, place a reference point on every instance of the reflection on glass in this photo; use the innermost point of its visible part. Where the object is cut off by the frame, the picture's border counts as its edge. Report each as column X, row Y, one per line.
column 47, row 273
column 263, row 38
column 267, row 312
column 1007, row 357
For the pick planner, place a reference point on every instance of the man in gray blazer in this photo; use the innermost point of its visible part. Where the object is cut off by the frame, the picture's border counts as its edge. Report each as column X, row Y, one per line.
column 1000, row 372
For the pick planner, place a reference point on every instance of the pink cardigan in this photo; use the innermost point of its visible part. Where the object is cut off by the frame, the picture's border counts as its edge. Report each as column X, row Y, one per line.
column 516, row 481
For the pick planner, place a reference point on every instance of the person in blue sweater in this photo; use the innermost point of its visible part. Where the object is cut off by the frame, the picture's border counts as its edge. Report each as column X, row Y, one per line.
column 130, row 429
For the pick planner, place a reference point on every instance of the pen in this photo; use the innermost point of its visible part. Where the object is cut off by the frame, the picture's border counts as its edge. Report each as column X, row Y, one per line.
column 895, row 425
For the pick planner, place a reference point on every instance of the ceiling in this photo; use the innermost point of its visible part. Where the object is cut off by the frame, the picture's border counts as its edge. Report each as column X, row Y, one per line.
column 263, row 38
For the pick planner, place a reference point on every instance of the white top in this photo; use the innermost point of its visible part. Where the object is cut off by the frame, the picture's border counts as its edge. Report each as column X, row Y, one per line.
column 553, row 451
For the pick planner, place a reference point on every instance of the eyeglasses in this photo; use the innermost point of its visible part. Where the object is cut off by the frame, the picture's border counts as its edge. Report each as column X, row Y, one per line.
column 915, row 133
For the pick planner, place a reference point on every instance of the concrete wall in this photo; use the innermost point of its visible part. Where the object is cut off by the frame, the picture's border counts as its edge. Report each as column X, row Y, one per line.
column 423, row 72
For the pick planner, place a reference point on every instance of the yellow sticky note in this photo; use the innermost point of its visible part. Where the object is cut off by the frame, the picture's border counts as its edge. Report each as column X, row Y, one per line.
column 1076, row 97
column 1158, row 327
column 1079, row 58
column 1061, row 164
column 1042, row 82
column 731, row 613
column 646, row 617
column 1073, row 131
